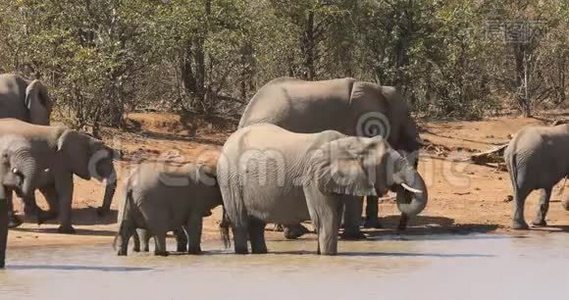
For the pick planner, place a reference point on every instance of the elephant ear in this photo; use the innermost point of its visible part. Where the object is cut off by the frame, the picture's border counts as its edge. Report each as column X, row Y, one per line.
column 405, row 134
column 348, row 165
column 38, row 103
column 76, row 151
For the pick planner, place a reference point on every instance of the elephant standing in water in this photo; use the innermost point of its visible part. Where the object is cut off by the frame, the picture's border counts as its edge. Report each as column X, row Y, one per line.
column 24, row 100
column 46, row 158
column 269, row 174
column 346, row 105
column 162, row 198
column 536, row 158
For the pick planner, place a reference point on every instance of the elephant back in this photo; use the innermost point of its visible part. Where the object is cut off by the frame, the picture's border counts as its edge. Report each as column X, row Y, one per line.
column 298, row 105
column 50, row 134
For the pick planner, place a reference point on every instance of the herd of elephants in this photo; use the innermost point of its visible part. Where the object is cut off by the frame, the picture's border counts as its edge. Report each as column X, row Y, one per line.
column 303, row 150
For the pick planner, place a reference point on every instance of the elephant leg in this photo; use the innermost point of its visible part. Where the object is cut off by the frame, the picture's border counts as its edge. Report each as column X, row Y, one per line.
column 352, row 217
column 293, row 232
column 160, row 243
column 126, row 230
column 543, row 207
column 50, row 195
column 372, row 212
column 195, row 233
column 144, row 239
column 181, row 239
column 240, row 237
column 257, row 236
column 136, row 240
column 325, row 213
column 30, row 206
column 4, row 221
column 64, row 188
column 520, row 196
column 403, row 222
column 13, row 220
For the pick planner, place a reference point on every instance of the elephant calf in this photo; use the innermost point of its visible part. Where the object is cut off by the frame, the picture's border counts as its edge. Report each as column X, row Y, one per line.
column 162, row 198
column 271, row 175
column 536, row 158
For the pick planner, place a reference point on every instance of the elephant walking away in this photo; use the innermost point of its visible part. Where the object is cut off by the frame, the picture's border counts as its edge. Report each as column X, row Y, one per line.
column 346, row 105
column 46, row 158
column 271, row 175
column 24, row 100
column 536, row 158
column 161, row 198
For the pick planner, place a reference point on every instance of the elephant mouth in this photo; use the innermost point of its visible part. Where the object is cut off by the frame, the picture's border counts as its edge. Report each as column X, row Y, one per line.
column 16, row 182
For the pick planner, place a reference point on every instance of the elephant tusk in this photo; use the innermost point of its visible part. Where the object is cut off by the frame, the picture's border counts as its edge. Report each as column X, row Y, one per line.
column 15, row 171
column 46, row 170
column 410, row 189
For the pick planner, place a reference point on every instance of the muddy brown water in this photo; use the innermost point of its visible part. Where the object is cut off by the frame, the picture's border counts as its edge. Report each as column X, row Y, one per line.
column 485, row 266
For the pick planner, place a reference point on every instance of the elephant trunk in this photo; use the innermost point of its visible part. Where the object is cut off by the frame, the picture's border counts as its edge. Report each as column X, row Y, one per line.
column 111, row 186
column 25, row 166
column 412, row 194
column 3, row 226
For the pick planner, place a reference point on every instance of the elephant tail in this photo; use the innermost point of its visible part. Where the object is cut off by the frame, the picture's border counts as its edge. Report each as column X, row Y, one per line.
column 234, row 212
column 510, row 159
column 224, row 229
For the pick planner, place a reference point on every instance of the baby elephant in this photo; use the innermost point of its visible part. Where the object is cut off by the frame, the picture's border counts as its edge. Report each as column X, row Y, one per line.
column 162, row 198
column 536, row 158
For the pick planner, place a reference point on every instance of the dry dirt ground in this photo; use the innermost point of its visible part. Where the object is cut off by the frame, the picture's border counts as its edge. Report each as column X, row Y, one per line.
column 464, row 197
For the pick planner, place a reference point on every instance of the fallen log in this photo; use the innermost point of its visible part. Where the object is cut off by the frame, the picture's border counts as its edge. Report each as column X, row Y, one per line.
column 494, row 155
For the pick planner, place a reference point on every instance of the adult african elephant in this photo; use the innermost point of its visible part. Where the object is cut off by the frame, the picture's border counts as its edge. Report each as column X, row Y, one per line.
column 24, row 100
column 269, row 174
column 346, row 105
column 46, row 158
column 536, row 159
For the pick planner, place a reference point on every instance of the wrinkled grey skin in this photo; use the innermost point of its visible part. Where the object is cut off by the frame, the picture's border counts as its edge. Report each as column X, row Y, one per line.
column 46, row 158
column 339, row 104
column 271, row 175
column 24, row 100
column 536, row 158
column 162, row 198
